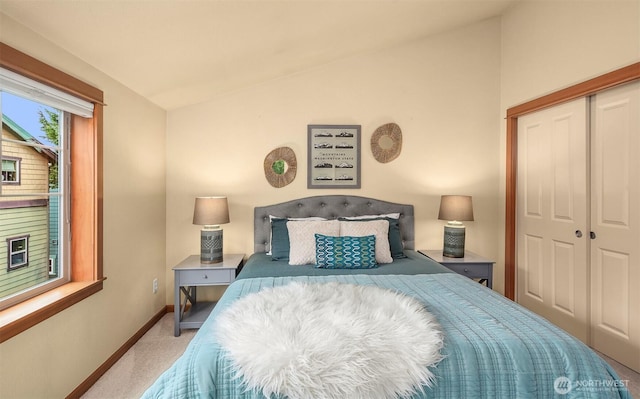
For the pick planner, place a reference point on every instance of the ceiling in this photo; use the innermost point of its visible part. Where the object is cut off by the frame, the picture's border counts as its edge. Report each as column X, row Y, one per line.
column 182, row 52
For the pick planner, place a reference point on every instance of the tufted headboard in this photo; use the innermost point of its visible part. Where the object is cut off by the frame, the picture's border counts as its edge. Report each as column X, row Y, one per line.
column 330, row 207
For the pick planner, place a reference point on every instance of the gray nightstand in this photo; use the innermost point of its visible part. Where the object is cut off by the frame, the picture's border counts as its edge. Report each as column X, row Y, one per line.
column 472, row 265
column 188, row 275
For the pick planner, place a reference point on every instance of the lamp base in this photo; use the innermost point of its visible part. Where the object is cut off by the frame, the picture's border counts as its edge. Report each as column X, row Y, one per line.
column 454, row 241
column 211, row 245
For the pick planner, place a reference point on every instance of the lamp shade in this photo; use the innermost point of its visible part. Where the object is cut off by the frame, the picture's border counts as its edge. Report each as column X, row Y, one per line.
column 456, row 207
column 211, row 211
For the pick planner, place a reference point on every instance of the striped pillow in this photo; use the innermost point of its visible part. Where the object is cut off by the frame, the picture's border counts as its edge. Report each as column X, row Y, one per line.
column 345, row 252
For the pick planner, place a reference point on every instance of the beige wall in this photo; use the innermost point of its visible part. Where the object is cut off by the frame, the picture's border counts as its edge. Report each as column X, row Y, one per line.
column 51, row 359
column 442, row 91
column 550, row 45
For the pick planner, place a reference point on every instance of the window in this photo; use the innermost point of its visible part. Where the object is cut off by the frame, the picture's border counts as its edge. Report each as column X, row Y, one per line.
column 10, row 168
column 52, row 266
column 36, row 134
column 78, row 158
column 18, row 252
column 39, row 134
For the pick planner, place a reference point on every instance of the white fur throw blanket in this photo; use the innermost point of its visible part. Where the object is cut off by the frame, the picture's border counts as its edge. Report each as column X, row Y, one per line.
column 303, row 341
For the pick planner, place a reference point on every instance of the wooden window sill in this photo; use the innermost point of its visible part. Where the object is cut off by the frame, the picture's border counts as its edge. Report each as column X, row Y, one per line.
column 27, row 314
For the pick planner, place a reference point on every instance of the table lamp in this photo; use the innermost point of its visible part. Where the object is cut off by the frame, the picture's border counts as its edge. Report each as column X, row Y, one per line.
column 455, row 209
column 211, row 212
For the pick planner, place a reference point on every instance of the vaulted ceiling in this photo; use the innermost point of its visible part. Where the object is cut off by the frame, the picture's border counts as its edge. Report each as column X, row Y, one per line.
column 177, row 53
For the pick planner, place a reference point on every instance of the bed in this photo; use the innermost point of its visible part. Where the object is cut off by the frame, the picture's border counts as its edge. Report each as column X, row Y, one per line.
column 492, row 347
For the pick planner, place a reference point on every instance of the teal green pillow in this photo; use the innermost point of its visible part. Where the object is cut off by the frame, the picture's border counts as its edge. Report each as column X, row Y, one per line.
column 279, row 239
column 345, row 252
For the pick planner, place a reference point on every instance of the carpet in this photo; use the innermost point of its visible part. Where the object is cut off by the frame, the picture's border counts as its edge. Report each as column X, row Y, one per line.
column 330, row 340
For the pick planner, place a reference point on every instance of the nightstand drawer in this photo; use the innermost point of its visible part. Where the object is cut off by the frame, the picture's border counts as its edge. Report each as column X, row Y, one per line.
column 206, row 277
column 471, row 270
column 471, row 265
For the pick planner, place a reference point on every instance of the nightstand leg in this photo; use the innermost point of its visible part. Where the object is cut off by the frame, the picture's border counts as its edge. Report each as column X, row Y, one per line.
column 176, row 308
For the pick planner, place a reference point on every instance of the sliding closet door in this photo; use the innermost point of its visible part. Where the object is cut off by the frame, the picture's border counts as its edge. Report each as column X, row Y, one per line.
column 551, row 204
column 615, row 219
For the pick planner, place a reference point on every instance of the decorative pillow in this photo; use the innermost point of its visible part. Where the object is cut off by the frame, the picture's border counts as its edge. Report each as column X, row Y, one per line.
column 303, row 241
column 384, row 216
column 378, row 228
column 346, row 252
column 395, row 238
column 279, row 239
column 280, row 236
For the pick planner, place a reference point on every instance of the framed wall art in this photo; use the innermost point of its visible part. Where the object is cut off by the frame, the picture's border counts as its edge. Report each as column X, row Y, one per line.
column 334, row 156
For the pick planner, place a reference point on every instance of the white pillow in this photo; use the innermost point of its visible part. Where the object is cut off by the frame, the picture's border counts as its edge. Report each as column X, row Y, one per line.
column 387, row 215
column 302, row 238
column 378, row 228
column 271, row 217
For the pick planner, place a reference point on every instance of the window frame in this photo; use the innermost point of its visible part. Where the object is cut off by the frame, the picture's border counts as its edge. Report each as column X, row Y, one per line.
column 86, row 199
column 11, row 252
column 18, row 162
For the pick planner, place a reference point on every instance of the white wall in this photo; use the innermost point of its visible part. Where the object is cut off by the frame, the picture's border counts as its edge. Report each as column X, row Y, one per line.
column 550, row 45
column 442, row 91
column 51, row 359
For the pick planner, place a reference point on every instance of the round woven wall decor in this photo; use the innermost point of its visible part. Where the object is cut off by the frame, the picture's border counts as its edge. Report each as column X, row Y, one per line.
column 386, row 142
column 280, row 166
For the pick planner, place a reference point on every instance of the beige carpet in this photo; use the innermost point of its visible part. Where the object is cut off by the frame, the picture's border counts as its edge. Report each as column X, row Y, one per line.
column 143, row 363
column 158, row 349
column 626, row 374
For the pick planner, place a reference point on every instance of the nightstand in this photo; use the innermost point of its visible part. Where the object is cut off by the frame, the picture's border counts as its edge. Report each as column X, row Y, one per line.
column 188, row 275
column 472, row 265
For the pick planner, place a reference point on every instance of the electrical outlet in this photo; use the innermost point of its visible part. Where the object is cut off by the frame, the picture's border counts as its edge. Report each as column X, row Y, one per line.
column 155, row 285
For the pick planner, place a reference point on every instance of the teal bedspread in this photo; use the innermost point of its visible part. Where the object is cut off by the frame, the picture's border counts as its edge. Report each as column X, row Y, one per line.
column 261, row 265
column 494, row 348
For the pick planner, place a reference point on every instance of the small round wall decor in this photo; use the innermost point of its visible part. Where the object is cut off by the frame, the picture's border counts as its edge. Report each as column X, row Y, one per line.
column 386, row 142
column 280, row 166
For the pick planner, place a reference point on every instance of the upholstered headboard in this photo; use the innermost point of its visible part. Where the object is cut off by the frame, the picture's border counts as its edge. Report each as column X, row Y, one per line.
column 330, row 207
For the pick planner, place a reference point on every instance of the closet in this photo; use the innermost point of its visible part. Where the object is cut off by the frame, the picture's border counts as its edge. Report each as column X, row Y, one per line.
column 578, row 218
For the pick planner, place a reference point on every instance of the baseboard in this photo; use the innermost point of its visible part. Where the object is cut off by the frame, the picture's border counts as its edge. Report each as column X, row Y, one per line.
column 95, row 376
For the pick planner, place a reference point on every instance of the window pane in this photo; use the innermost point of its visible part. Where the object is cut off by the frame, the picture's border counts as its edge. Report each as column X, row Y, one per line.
column 8, row 166
column 18, row 259
column 18, row 245
column 30, row 195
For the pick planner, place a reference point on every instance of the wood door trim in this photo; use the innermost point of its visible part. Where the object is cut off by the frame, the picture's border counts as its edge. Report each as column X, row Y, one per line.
column 589, row 87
